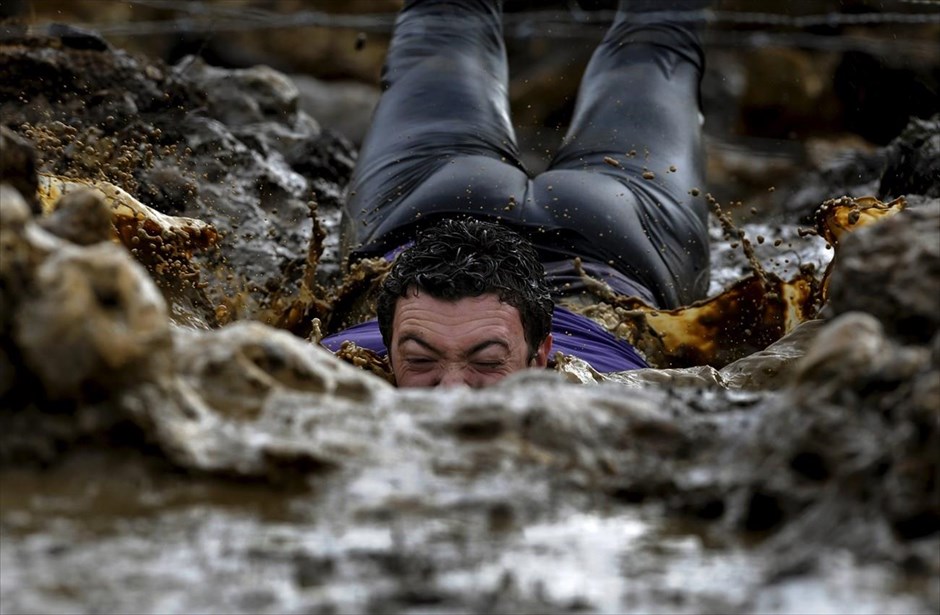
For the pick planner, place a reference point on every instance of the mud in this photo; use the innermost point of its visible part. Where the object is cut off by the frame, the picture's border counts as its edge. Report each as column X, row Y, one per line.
column 907, row 165
column 189, row 140
column 166, row 448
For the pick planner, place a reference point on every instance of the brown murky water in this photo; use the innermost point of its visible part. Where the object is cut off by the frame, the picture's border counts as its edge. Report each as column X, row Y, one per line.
column 109, row 533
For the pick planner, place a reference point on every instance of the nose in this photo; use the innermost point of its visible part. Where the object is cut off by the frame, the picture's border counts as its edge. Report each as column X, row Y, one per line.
column 454, row 377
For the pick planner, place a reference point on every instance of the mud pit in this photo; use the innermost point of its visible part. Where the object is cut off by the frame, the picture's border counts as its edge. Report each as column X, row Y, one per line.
column 172, row 443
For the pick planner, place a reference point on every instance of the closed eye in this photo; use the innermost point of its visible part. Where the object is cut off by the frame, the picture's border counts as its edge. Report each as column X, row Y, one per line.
column 488, row 364
column 419, row 360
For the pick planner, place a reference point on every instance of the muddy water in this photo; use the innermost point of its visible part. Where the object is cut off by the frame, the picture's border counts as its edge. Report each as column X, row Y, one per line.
column 95, row 536
column 164, row 451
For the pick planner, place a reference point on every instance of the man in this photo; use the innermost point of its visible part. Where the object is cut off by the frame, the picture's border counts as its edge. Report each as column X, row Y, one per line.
column 617, row 195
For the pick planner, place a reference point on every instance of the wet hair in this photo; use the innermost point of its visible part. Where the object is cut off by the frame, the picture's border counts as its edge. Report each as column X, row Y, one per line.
column 459, row 258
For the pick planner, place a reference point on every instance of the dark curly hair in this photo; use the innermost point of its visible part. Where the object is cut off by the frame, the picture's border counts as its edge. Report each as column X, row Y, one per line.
column 459, row 258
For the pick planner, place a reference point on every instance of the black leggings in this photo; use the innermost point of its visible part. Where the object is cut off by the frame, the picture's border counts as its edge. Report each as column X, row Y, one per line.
column 442, row 144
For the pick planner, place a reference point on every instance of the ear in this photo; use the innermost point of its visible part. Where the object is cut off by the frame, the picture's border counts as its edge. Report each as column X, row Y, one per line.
column 544, row 351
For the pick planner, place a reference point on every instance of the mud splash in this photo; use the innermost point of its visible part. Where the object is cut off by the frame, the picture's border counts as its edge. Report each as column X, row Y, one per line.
column 751, row 313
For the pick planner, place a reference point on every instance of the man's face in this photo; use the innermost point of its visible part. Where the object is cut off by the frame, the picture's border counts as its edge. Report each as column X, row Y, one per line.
column 475, row 341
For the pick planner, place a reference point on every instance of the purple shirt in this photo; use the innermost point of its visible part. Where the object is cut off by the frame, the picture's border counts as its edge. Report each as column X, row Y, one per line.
column 572, row 334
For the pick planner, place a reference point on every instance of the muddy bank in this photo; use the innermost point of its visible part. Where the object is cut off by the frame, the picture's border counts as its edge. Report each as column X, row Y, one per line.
column 165, row 449
column 228, row 147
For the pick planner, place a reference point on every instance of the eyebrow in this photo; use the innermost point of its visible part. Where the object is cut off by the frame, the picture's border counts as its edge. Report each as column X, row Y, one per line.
column 486, row 344
column 413, row 337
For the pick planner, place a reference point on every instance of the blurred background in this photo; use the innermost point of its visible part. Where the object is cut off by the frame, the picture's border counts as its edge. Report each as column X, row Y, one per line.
column 790, row 87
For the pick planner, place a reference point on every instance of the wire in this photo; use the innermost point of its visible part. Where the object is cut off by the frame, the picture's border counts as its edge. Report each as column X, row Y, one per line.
column 200, row 17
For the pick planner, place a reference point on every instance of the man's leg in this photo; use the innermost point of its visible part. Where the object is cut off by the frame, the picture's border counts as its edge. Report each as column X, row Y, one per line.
column 640, row 92
column 445, row 101
column 633, row 152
